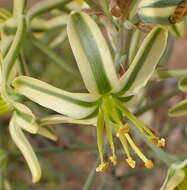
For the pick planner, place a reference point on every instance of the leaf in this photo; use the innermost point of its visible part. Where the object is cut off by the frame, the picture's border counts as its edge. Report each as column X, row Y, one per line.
column 144, row 63
column 179, row 110
column 26, row 149
column 92, row 53
column 76, row 105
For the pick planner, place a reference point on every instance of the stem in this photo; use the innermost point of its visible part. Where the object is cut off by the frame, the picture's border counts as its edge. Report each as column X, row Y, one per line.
column 158, row 101
column 123, row 44
column 18, row 7
column 170, row 74
column 91, row 177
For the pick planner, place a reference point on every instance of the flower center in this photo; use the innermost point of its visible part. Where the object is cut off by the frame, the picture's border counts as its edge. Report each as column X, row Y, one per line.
column 111, row 113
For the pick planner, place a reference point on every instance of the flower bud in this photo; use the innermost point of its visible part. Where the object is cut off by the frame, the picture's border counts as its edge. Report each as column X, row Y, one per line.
column 176, row 177
column 162, row 11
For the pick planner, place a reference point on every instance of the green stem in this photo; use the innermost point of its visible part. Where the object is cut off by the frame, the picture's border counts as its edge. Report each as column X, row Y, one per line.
column 18, row 7
column 158, row 101
column 170, row 74
column 54, row 57
column 91, row 177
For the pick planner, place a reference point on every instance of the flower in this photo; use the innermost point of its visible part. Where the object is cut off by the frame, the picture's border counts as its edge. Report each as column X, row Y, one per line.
column 22, row 117
column 180, row 109
column 162, row 11
column 106, row 103
column 176, row 177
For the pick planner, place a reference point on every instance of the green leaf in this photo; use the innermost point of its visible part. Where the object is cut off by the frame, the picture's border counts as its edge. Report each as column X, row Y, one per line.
column 26, row 149
column 92, row 53
column 144, row 63
column 76, row 105
column 183, row 84
column 179, row 110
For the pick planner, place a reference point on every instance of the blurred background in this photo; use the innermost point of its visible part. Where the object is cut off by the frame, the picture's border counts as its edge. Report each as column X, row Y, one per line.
column 67, row 163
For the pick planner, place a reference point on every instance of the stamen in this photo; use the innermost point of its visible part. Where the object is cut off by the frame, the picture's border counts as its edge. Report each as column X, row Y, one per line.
column 102, row 167
column 100, row 131
column 161, row 142
column 113, row 159
column 124, row 129
column 129, row 159
column 131, row 162
column 148, row 163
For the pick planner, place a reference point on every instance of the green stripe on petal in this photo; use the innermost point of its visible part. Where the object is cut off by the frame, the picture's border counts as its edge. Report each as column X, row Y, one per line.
column 179, row 110
column 160, row 3
column 57, row 119
column 144, row 63
column 177, row 30
column 47, row 132
column 4, row 107
column 134, row 45
column 76, row 105
column 92, row 53
column 157, row 11
column 26, row 149
column 25, row 118
column 183, row 84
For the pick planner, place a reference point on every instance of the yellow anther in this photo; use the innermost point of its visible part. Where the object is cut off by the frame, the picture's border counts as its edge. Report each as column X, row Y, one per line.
column 123, row 130
column 131, row 162
column 149, row 164
column 161, row 143
column 113, row 159
column 102, row 167
column 154, row 140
